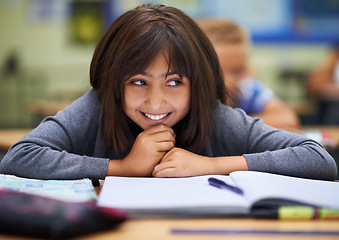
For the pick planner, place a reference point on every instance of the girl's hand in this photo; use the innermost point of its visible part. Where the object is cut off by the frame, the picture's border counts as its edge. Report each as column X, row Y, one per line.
column 147, row 151
column 182, row 163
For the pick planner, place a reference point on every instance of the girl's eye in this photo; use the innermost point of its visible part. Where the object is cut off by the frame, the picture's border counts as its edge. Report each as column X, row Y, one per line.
column 174, row 82
column 139, row 82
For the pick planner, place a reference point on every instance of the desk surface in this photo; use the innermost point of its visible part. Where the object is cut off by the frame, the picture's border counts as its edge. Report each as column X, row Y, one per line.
column 160, row 229
column 145, row 229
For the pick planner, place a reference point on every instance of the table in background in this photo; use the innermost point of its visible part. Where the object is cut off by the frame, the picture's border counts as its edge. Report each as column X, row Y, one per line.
column 47, row 108
column 10, row 136
column 42, row 109
column 330, row 132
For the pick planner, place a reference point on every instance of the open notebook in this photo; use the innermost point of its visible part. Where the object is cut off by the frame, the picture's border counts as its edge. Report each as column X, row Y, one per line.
column 194, row 196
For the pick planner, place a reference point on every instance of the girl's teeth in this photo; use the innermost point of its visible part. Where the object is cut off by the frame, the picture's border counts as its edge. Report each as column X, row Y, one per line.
column 155, row 117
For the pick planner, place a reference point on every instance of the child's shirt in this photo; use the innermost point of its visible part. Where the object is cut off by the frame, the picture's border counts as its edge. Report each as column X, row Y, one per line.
column 253, row 95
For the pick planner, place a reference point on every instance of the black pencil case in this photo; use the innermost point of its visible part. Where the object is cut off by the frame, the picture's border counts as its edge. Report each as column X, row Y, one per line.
column 36, row 216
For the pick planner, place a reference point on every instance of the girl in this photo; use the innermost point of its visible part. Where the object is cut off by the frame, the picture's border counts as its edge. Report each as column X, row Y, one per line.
column 156, row 109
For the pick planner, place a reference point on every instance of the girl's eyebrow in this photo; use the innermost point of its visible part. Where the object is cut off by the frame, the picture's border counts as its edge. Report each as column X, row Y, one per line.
column 167, row 74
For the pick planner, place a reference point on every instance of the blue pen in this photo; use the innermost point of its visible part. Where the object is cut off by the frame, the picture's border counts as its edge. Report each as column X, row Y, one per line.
column 221, row 184
column 252, row 232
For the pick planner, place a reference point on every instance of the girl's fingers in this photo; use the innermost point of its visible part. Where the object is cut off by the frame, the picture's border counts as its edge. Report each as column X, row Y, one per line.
column 165, row 146
column 163, row 136
column 159, row 128
column 167, row 172
column 161, row 166
column 158, row 134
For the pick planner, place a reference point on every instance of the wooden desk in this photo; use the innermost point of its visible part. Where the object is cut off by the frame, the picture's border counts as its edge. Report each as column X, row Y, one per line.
column 10, row 136
column 146, row 229
column 160, row 229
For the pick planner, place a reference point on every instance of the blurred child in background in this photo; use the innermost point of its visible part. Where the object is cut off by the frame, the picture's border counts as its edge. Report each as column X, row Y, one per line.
column 323, row 84
column 233, row 46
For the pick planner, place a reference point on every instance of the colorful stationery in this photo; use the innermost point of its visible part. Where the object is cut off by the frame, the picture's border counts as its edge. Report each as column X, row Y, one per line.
column 67, row 190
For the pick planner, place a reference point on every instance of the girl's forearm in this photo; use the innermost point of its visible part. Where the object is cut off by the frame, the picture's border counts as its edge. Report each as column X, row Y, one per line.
column 226, row 165
column 115, row 168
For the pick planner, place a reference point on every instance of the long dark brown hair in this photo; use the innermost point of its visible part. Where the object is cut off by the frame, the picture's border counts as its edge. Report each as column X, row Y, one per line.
column 127, row 48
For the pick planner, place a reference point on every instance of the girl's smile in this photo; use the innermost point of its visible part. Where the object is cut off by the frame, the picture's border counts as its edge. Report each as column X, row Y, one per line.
column 158, row 95
column 156, row 117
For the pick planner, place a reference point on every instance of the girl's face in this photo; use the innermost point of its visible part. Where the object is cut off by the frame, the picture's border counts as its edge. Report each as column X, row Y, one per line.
column 157, row 96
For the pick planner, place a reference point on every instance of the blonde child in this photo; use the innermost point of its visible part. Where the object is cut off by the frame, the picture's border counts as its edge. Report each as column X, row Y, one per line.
column 232, row 44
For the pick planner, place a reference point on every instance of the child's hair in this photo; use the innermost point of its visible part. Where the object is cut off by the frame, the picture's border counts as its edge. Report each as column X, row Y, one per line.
column 127, row 48
column 222, row 31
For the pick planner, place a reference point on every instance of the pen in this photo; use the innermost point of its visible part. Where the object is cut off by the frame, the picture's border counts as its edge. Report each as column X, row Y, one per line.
column 245, row 231
column 221, row 184
column 297, row 213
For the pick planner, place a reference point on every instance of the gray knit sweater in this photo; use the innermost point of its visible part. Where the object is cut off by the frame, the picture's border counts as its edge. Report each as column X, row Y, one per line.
column 69, row 146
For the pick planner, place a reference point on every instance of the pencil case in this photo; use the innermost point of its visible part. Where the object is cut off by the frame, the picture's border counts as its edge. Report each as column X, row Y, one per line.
column 36, row 216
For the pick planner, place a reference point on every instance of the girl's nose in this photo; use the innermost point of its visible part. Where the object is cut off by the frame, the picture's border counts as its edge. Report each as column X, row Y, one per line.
column 156, row 98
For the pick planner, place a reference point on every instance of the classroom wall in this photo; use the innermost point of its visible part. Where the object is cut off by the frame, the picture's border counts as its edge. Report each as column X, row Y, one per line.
column 52, row 67
column 271, row 60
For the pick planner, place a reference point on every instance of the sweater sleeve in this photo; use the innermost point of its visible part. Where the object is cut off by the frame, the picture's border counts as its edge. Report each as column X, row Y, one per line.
column 61, row 146
column 267, row 149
